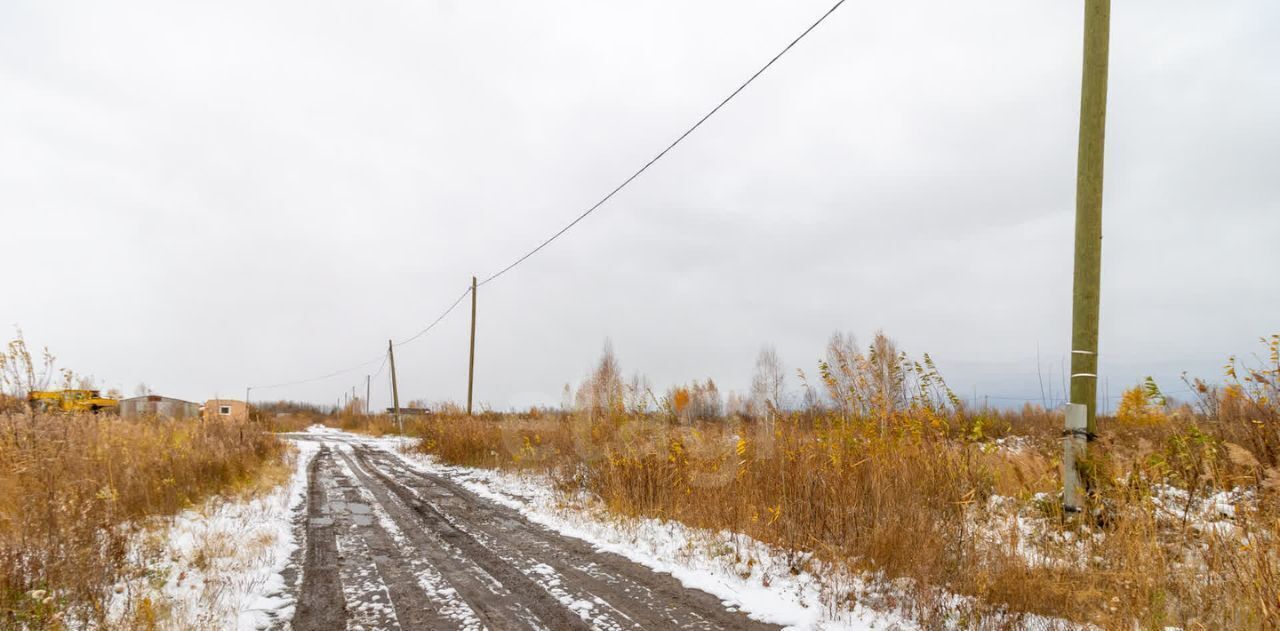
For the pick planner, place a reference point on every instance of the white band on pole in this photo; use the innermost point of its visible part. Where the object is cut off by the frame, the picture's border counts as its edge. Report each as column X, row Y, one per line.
column 1084, row 374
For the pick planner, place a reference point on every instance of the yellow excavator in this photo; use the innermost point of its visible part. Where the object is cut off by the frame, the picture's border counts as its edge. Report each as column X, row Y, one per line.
column 70, row 400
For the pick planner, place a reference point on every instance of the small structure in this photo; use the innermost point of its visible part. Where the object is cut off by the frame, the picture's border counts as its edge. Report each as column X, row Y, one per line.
column 155, row 405
column 227, row 409
column 410, row 411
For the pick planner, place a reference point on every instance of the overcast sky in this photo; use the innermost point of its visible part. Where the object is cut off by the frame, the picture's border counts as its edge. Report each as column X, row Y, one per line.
column 208, row 195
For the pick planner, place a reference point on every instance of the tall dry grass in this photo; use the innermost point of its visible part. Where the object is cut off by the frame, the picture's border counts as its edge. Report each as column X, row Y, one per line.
column 901, row 481
column 76, row 488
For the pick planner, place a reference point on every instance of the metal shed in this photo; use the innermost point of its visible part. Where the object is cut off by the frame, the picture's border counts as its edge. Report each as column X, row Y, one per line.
column 155, row 405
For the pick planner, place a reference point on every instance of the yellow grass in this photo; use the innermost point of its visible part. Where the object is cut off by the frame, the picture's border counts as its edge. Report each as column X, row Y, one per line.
column 916, row 502
column 77, row 487
column 902, row 487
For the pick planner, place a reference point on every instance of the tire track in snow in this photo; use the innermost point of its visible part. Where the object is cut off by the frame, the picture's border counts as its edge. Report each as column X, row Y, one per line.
column 390, row 546
column 643, row 598
column 368, row 597
column 491, row 600
column 419, row 595
column 321, row 604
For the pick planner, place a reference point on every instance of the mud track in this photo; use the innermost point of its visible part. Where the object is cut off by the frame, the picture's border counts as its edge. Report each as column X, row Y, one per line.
column 390, row 547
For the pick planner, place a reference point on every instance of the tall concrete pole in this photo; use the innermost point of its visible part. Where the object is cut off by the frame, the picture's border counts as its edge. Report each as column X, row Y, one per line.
column 395, row 389
column 1088, row 255
column 471, row 366
column 1081, row 415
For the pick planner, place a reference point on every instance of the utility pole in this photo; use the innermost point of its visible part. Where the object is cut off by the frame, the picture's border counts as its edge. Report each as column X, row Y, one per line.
column 1088, row 244
column 366, row 395
column 471, row 366
column 395, row 389
column 246, row 402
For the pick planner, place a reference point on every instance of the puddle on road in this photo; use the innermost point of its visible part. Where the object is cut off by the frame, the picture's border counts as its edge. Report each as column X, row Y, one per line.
column 360, row 513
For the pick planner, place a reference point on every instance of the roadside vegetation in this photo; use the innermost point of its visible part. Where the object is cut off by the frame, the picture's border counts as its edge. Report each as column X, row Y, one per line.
column 876, row 469
column 78, row 488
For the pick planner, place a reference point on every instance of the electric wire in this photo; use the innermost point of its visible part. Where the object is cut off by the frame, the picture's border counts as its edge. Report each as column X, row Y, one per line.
column 320, row 378
column 669, row 147
column 383, row 357
column 584, row 215
column 437, row 320
column 380, row 366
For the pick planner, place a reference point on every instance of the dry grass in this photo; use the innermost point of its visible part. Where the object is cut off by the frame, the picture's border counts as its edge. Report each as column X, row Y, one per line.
column 945, row 512
column 78, row 487
column 901, row 486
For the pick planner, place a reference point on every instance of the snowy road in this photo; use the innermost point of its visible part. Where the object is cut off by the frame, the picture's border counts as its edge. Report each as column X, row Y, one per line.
column 390, row 546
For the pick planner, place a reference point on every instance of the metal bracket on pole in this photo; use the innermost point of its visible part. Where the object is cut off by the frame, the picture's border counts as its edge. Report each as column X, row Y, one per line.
column 1074, row 446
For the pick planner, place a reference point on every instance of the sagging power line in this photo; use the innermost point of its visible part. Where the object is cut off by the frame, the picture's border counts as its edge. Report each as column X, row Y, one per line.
column 581, row 216
column 669, row 147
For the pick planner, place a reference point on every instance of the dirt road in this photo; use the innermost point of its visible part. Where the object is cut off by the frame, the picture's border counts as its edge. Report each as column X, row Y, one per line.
column 391, row 547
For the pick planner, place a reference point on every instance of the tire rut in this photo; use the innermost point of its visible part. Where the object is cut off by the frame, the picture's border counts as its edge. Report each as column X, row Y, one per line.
column 641, row 597
column 389, row 546
column 548, row 610
column 414, row 607
column 488, row 598
column 321, row 604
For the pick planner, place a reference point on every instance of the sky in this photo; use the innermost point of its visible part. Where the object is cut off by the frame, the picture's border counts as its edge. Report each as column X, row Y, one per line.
column 205, row 196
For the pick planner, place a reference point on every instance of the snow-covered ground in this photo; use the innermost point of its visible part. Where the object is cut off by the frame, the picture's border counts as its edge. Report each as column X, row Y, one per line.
column 221, row 566
column 744, row 573
column 225, row 566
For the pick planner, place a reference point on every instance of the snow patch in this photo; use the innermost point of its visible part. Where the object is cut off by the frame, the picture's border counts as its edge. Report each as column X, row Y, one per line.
column 222, row 565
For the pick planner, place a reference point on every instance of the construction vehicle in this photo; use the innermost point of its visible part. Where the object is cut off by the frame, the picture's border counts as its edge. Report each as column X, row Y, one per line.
column 70, row 400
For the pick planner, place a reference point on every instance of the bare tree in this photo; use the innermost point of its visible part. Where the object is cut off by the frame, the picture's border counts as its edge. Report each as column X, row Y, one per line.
column 602, row 392
column 639, row 394
column 18, row 368
column 698, row 401
column 735, row 405
column 768, row 386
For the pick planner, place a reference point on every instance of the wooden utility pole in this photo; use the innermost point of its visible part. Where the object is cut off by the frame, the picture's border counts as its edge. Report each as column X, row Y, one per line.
column 367, row 379
column 1081, row 416
column 471, row 366
column 395, row 389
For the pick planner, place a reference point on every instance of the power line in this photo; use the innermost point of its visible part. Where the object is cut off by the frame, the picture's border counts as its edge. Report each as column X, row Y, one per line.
column 320, row 378
column 590, row 210
column 383, row 356
column 380, row 367
column 669, row 147
column 437, row 320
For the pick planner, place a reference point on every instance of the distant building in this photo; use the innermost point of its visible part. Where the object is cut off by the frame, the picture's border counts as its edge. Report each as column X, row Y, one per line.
column 410, row 411
column 155, row 405
column 226, row 408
